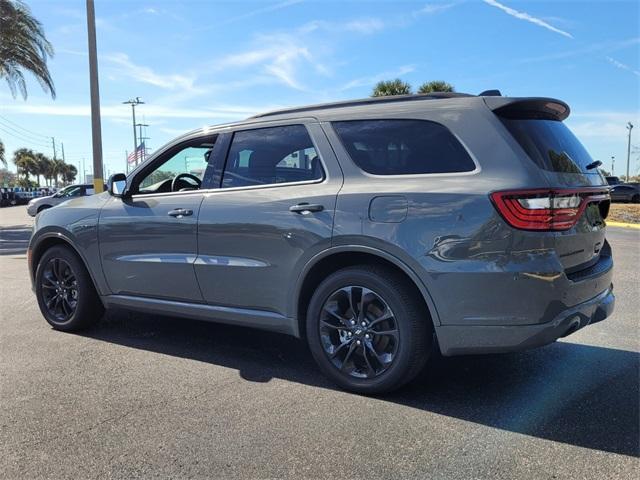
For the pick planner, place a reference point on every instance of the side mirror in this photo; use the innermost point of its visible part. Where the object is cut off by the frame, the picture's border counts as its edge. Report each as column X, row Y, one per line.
column 117, row 184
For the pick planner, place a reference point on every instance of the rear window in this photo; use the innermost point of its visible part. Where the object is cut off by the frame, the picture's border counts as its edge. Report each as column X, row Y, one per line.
column 403, row 147
column 550, row 144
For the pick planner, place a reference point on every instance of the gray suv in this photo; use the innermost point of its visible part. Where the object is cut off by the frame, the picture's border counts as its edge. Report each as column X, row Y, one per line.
column 379, row 230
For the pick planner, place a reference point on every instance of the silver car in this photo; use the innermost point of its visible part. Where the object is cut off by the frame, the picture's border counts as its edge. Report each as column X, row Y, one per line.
column 379, row 230
column 37, row 205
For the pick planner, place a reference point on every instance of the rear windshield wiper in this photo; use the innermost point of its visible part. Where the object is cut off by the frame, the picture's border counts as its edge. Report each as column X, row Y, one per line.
column 593, row 164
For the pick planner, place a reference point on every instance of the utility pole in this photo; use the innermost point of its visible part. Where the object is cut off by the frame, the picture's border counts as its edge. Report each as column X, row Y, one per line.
column 629, row 127
column 62, row 146
column 96, row 127
column 53, row 143
column 133, row 102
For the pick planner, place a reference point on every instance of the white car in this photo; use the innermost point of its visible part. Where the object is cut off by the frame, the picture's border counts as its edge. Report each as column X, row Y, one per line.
column 36, row 205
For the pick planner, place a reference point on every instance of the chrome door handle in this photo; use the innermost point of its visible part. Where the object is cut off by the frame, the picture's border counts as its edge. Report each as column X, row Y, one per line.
column 305, row 208
column 180, row 212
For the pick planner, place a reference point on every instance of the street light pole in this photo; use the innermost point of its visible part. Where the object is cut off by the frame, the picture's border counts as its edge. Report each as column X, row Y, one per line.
column 96, row 128
column 133, row 102
column 141, row 139
column 613, row 165
column 629, row 127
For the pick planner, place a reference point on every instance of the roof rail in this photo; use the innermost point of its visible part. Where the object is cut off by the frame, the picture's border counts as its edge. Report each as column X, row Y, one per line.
column 365, row 101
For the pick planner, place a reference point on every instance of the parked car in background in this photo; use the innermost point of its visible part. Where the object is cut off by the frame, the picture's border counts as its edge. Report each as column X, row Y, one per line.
column 613, row 180
column 380, row 230
column 36, row 205
column 626, row 192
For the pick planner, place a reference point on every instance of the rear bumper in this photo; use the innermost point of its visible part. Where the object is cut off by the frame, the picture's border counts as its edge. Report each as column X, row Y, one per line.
column 472, row 339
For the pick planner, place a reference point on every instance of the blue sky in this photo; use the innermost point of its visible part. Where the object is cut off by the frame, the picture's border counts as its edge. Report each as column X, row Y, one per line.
column 198, row 63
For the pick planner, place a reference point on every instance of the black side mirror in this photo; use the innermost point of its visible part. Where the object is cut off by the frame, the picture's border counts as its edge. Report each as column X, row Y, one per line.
column 118, row 184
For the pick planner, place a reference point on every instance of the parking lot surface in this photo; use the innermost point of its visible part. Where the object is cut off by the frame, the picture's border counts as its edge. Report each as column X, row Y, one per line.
column 141, row 396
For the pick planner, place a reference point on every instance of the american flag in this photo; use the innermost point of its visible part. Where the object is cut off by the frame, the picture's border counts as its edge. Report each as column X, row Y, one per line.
column 135, row 157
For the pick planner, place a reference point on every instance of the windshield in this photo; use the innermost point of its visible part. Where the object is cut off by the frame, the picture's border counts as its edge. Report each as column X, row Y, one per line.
column 550, row 144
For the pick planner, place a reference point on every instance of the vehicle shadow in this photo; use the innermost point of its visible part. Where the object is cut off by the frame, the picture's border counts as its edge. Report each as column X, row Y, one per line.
column 576, row 394
column 14, row 239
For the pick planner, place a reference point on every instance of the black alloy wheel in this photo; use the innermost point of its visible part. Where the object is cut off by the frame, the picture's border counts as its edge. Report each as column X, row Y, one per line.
column 358, row 332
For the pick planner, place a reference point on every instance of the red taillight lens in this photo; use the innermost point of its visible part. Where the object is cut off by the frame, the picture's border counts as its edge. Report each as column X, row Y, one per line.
column 549, row 210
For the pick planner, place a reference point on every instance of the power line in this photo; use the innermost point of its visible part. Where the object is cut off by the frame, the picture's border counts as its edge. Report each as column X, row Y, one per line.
column 18, row 133
column 31, row 132
column 24, row 140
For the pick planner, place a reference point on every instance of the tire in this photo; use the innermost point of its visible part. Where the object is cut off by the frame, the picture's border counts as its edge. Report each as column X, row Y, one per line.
column 43, row 207
column 66, row 295
column 386, row 293
column 635, row 199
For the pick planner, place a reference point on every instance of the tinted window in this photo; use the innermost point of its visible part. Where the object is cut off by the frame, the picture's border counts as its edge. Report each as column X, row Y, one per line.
column 271, row 155
column 551, row 145
column 402, row 147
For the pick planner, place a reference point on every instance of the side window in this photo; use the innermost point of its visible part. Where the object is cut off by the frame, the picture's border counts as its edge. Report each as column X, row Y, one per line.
column 75, row 191
column 403, row 147
column 190, row 160
column 271, row 155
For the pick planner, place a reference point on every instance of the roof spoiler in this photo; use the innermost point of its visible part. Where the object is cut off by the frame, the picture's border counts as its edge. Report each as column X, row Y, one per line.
column 528, row 108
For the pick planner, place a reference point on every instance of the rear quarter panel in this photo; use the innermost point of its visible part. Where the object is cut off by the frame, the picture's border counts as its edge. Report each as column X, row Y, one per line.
column 476, row 268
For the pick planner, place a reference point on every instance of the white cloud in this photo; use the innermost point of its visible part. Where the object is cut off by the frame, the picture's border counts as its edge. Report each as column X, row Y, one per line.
column 281, row 57
column 432, row 8
column 145, row 74
column 259, row 11
column 365, row 25
column 622, row 66
column 602, row 125
column 526, row 17
column 372, row 79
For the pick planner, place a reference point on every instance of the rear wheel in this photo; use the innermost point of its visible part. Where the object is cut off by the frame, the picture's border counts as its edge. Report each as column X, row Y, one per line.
column 65, row 292
column 635, row 199
column 368, row 330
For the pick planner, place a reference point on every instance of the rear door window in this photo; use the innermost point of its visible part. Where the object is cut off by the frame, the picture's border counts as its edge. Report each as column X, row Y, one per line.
column 266, row 156
column 550, row 144
column 403, row 147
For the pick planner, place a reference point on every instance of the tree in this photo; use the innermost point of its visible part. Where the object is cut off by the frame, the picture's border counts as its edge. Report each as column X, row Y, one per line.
column 23, row 47
column 69, row 173
column 57, row 167
column 3, row 160
column 391, row 87
column 25, row 162
column 7, row 178
column 43, row 165
column 436, row 86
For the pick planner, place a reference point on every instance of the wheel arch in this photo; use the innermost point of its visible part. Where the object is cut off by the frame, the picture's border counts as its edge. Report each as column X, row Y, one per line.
column 333, row 259
column 47, row 241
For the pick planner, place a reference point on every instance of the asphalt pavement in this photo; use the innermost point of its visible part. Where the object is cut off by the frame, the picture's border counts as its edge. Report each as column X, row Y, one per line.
column 141, row 396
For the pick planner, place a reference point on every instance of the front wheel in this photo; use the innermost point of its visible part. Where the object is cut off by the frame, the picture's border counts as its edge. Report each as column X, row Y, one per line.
column 368, row 329
column 65, row 292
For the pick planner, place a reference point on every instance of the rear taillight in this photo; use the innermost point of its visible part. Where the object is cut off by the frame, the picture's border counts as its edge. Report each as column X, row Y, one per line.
column 548, row 210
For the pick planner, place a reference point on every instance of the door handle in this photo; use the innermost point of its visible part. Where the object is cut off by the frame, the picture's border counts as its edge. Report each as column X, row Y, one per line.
column 180, row 212
column 305, row 208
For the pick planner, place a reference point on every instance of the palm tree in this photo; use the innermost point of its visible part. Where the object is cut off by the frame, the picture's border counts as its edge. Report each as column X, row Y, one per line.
column 69, row 173
column 42, row 164
column 25, row 162
column 436, row 86
column 391, row 87
column 3, row 160
column 23, row 47
column 57, row 167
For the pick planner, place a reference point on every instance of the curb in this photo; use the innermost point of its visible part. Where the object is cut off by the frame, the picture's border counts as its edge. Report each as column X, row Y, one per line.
column 624, row 225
